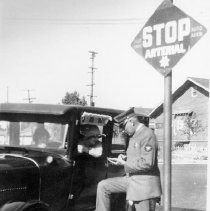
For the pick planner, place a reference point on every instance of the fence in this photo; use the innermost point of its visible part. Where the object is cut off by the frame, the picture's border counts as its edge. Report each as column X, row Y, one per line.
column 187, row 153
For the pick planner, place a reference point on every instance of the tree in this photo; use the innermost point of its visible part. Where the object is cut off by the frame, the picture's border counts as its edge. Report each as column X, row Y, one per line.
column 74, row 99
column 192, row 126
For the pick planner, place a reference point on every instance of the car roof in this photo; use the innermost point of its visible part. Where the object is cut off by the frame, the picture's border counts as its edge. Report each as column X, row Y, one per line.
column 48, row 112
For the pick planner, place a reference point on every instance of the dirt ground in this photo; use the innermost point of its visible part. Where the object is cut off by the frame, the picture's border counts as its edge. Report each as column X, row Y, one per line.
column 189, row 187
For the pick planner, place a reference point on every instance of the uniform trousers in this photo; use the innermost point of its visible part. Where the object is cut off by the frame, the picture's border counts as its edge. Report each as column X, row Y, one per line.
column 115, row 185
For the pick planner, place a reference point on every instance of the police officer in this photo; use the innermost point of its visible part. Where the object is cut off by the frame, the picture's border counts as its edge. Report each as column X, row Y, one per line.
column 142, row 181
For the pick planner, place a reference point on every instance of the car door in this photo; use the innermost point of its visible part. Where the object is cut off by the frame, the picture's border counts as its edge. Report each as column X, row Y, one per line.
column 55, row 180
column 88, row 172
column 118, row 146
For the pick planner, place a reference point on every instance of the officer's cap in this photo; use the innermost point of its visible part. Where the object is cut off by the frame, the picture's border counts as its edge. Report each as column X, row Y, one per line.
column 132, row 112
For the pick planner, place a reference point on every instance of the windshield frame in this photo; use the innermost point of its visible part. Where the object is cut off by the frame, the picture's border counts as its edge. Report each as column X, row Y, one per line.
column 21, row 134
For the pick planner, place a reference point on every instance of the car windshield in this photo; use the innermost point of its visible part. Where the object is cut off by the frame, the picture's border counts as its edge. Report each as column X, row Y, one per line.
column 32, row 134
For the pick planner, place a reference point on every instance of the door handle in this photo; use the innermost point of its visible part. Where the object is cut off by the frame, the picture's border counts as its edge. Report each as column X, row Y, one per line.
column 107, row 164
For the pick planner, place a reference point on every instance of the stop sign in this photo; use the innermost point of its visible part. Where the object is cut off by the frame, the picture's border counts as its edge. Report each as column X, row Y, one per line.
column 167, row 36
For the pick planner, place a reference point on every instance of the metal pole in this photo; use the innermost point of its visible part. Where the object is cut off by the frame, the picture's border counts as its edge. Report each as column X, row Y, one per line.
column 167, row 141
column 93, row 54
column 29, row 98
column 7, row 94
column 92, row 81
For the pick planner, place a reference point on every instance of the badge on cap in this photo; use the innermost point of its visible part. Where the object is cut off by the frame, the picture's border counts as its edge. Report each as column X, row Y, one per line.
column 148, row 148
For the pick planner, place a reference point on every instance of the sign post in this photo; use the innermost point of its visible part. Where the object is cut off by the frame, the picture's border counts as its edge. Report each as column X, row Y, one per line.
column 165, row 38
column 167, row 142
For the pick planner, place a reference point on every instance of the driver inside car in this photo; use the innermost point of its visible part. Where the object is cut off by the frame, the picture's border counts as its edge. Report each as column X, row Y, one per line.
column 90, row 143
column 41, row 136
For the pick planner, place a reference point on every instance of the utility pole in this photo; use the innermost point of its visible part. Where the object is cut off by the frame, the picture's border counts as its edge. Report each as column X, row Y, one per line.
column 7, row 94
column 29, row 98
column 93, row 54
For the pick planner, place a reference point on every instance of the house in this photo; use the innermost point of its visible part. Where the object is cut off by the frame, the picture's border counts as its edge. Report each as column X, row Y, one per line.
column 189, row 113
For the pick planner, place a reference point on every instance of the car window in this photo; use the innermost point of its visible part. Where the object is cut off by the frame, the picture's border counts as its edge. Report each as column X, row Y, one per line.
column 32, row 134
column 118, row 142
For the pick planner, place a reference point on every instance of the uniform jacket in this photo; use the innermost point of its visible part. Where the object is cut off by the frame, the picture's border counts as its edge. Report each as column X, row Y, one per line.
column 142, row 165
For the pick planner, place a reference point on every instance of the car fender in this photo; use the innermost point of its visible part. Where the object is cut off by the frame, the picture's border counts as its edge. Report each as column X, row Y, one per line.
column 25, row 206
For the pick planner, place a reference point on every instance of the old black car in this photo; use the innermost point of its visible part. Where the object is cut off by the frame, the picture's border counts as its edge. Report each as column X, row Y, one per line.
column 52, row 176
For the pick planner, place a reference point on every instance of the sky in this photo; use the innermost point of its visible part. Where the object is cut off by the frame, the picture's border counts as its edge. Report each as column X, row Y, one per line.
column 45, row 44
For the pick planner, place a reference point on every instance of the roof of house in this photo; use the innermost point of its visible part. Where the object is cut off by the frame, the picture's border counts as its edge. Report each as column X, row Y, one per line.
column 201, row 83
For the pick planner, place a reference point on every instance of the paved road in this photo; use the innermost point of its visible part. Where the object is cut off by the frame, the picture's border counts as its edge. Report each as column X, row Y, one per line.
column 176, row 209
column 189, row 186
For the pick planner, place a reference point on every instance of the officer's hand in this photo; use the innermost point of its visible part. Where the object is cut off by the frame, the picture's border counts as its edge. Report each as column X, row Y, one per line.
column 112, row 160
column 116, row 161
column 123, row 157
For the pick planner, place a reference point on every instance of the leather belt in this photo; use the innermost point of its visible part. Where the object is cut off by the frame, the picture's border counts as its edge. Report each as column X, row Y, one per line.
column 139, row 173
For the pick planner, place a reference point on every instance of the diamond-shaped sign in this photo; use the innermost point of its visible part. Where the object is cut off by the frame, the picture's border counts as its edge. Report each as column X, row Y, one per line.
column 167, row 36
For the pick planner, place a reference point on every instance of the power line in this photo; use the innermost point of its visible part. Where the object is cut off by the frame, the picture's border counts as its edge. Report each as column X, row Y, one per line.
column 117, row 21
column 73, row 21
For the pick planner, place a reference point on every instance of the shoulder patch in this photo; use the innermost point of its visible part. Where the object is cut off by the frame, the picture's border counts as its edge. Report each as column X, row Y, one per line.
column 148, row 148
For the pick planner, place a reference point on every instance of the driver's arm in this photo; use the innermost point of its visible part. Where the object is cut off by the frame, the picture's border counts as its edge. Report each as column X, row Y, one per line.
column 95, row 151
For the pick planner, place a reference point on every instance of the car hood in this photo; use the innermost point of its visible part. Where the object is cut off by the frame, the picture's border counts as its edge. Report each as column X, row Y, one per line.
column 19, row 178
column 22, row 170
